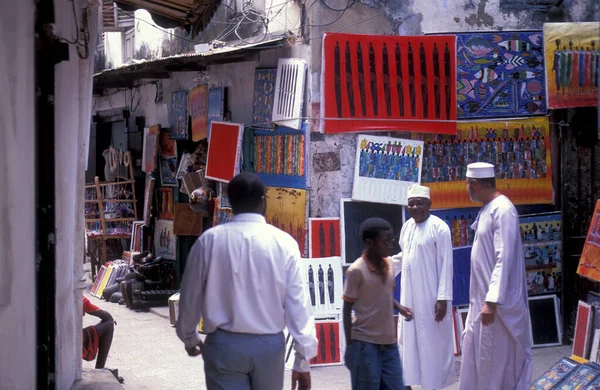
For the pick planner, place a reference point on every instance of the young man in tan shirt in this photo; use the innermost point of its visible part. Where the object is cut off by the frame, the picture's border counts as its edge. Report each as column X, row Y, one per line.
column 371, row 347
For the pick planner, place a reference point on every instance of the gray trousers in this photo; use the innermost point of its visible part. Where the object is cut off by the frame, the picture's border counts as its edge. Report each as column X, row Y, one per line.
column 241, row 361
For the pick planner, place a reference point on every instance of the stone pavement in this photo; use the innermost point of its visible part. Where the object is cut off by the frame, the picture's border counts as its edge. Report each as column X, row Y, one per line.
column 149, row 355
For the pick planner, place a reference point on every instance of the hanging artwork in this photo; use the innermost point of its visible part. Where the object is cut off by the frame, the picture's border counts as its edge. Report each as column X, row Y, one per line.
column 323, row 284
column 167, row 146
column 326, row 162
column 150, row 148
column 264, row 94
column 222, row 194
column 215, row 107
column 381, row 82
column 136, row 236
column 461, row 276
column 519, row 149
column 500, row 74
column 168, row 171
column 329, row 349
column 224, row 151
column 286, row 210
column 221, row 215
column 459, row 222
column 589, row 263
column 280, row 157
column 179, row 115
column 199, row 111
column 184, row 165
column 572, row 64
column 324, row 237
column 385, row 168
column 148, row 191
column 353, row 213
column 186, row 222
column 165, row 203
column 165, row 242
column 541, row 237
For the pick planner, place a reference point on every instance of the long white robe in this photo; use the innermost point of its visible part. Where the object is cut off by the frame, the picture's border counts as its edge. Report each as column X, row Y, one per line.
column 497, row 356
column 426, row 347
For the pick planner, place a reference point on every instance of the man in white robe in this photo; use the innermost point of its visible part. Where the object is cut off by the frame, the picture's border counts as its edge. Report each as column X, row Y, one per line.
column 426, row 343
column 497, row 338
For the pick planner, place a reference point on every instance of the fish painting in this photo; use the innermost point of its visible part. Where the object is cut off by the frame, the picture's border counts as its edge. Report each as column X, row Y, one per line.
column 478, row 46
column 465, row 87
column 512, row 44
column 486, row 75
column 532, row 107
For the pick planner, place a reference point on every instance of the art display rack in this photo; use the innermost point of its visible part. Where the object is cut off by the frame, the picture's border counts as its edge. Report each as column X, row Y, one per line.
column 99, row 256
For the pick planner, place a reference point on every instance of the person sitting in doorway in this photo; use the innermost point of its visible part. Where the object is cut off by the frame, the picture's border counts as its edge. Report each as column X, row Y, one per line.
column 97, row 339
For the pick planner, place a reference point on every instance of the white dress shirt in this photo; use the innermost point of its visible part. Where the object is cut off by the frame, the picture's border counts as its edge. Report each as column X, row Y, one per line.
column 244, row 277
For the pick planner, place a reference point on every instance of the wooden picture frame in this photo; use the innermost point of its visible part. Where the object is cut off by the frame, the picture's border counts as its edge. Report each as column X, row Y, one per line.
column 583, row 325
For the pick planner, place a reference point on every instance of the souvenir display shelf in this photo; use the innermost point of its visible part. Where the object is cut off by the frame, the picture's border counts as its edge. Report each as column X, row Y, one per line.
column 102, row 225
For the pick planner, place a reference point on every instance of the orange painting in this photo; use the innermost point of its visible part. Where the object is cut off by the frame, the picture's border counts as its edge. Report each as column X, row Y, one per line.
column 286, row 209
column 589, row 264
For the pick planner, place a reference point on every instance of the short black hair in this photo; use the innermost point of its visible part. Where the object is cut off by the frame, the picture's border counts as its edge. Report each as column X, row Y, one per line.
column 246, row 192
column 373, row 227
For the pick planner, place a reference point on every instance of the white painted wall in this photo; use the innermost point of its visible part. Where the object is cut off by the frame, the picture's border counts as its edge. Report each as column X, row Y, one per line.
column 17, row 199
column 113, row 49
column 148, row 34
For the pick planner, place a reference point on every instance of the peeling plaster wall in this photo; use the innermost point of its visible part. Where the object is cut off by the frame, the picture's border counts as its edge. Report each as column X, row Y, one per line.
column 407, row 17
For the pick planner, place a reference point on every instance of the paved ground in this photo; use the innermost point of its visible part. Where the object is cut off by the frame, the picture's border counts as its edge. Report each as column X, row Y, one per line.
column 149, row 355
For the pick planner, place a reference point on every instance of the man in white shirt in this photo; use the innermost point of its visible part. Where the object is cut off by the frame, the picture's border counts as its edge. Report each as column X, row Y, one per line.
column 243, row 278
column 497, row 337
column 426, row 343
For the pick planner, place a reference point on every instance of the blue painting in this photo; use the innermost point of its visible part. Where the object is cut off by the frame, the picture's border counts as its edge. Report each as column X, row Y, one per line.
column 264, row 94
column 179, row 115
column 500, row 74
column 215, row 106
column 461, row 261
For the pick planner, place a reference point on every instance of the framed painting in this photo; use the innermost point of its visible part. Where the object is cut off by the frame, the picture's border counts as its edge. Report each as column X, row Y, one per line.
column 186, row 221
column 165, row 203
column 263, row 97
column 323, row 284
column 545, row 321
column 589, row 263
column 555, row 374
column 149, row 153
column 329, row 349
column 224, row 151
column 167, row 146
column 168, row 171
column 222, row 214
column 286, row 210
column 500, row 74
column 583, row 329
column 199, row 112
column 215, row 107
column 148, row 192
column 324, row 237
column 572, row 63
column 179, row 115
column 165, row 241
column 388, row 83
column 385, row 168
column 136, row 237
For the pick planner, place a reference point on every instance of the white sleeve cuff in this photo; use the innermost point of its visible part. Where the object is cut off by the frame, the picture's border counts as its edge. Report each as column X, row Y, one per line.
column 301, row 364
column 192, row 341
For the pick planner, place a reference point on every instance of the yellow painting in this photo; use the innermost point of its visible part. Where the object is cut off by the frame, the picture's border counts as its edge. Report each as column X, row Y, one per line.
column 572, row 63
column 286, row 209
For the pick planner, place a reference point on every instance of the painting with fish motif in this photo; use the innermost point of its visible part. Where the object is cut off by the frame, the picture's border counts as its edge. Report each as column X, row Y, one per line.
column 572, row 64
column 286, row 210
column 519, row 149
column 390, row 83
column 500, row 74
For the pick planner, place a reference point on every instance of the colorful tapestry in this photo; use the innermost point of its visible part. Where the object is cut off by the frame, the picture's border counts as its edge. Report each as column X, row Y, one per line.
column 167, row 146
column 165, row 203
column 324, row 237
column 280, row 157
column 199, row 112
column 165, row 242
column 179, row 115
column 286, row 209
column 150, row 148
column 589, row 264
column 500, row 74
column 381, row 82
column 541, row 236
column 224, row 151
column 385, row 168
column 264, row 94
column 215, row 107
column 572, row 64
column 168, row 171
column 221, row 215
column 519, row 149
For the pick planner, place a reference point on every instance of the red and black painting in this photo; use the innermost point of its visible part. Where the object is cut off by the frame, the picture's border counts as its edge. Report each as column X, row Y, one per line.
column 329, row 349
column 378, row 82
column 324, row 236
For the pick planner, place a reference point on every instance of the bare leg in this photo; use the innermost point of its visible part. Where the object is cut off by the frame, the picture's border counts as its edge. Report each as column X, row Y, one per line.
column 105, row 335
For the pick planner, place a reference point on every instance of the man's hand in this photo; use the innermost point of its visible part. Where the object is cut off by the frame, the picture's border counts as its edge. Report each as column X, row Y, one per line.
column 405, row 312
column 195, row 350
column 301, row 379
column 440, row 310
column 488, row 313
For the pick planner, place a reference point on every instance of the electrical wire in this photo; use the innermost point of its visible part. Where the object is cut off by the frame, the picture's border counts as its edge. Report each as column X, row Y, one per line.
column 350, row 4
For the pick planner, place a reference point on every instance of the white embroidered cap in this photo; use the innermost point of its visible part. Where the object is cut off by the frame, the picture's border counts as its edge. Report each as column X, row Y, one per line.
column 417, row 191
column 480, row 170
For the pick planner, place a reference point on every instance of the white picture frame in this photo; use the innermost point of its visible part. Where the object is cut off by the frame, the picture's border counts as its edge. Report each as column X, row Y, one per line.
column 325, row 301
column 556, row 305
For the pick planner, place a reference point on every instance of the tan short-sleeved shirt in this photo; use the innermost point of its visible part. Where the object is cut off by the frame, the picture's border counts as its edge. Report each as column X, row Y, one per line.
column 372, row 295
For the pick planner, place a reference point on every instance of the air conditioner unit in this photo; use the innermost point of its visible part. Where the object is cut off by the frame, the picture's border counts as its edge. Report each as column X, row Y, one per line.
column 289, row 92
